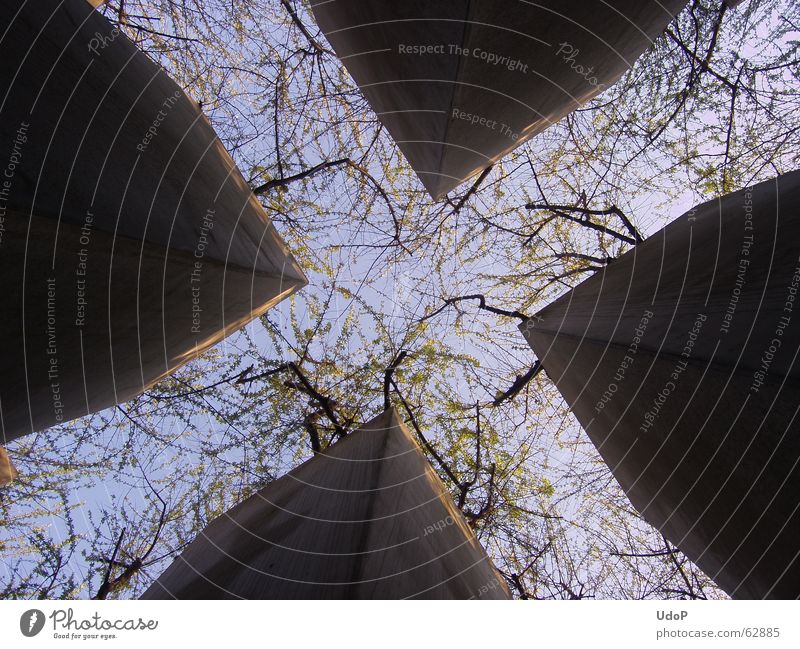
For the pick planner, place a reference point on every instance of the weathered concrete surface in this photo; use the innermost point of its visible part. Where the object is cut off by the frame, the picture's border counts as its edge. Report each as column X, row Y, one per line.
column 680, row 361
column 129, row 242
column 516, row 66
column 367, row 519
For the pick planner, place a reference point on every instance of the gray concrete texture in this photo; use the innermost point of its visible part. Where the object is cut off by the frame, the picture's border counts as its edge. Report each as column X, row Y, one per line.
column 459, row 84
column 680, row 360
column 130, row 241
column 366, row 519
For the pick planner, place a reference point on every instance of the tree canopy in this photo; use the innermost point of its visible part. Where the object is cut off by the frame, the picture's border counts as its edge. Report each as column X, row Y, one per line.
column 411, row 301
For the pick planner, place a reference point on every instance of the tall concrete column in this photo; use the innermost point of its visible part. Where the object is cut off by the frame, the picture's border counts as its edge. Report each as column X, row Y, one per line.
column 459, row 84
column 129, row 241
column 680, row 360
column 367, row 519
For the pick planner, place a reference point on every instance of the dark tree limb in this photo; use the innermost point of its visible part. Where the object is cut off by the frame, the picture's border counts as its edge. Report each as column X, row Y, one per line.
column 448, row 472
column 379, row 188
column 387, row 377
column 239, row 379
column 729, row 132
column 538, row 229
column 488, row 505
column 520, row 382
column 481, row 305
column 462, row 201
column 466, row 486
column 304, row 386
column 45, row 592
column 105, row 587
column 644, row 555
column 325, row 402
column 568, row 211
column 703, row 65
column 528, row 237
column 313, row 433
column 590, row 258
column 516, row 581
column 109, row 585
column 243, row 378
column 286, row 180
column 679, row 567
column 515, row 578
column 698, row 67
column 303, row 29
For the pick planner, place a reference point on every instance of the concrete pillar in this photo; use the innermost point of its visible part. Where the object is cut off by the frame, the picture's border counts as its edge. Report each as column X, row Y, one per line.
column 680, row 360
column 129, row 241
column 366, row 519
column 460, row 84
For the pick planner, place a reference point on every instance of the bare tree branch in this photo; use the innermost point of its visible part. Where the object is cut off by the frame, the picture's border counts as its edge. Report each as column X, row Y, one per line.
column 520, row 382
column 462, row 201
column 466, row 486
column 387, row 377
column 303, row 29
column 481, row 305
column 563, row 211
column 424, row 439
column 326, row 402
column 286, row 180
